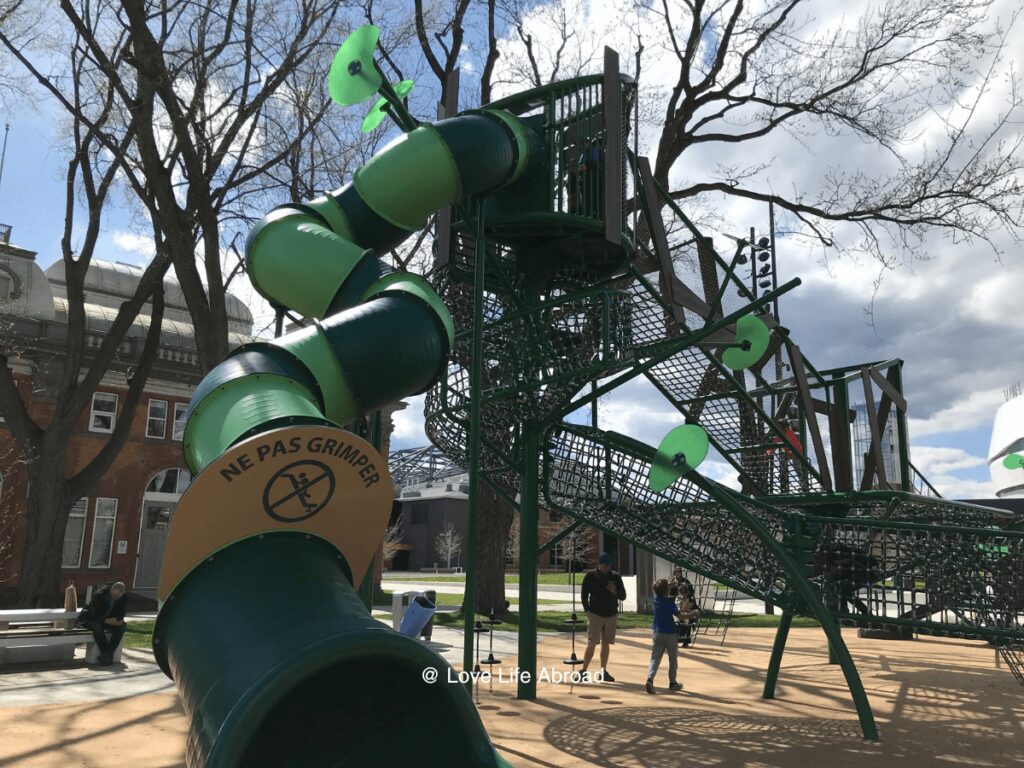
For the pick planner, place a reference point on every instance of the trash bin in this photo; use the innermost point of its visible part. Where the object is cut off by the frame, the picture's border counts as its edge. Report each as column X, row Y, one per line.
column 419, row 612
column 428, row 629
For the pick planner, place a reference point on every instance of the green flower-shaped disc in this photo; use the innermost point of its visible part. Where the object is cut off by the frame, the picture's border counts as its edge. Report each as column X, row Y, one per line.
column 376, row 114
column 751, row 330
column 682, row 450
column 354, row 76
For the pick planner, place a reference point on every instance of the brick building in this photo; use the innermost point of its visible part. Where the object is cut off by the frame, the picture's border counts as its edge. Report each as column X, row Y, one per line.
column 118, row 531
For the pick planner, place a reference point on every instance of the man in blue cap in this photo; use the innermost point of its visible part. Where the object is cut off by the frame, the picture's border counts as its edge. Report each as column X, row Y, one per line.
column 601, row 592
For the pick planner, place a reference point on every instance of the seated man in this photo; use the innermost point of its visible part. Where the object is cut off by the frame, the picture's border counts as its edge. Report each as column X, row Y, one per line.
column 105, row 613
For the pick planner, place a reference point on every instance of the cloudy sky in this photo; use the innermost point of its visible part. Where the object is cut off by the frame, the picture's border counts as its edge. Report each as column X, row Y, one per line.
column 955, row 317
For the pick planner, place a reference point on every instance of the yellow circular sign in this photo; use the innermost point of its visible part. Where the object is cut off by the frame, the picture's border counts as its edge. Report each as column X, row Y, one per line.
column 320, row 480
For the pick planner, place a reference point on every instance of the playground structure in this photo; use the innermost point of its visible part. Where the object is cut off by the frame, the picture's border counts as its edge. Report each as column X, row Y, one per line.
column 557, row 283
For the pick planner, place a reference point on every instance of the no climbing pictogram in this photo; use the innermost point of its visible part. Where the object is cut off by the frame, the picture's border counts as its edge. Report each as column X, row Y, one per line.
column 298, row 491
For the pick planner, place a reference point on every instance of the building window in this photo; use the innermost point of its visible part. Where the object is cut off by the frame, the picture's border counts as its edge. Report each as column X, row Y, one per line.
column 178, row 430
column 102, row 533
column 6, row 286
column 174, row 481
column 156, row 423
column 74, row 531
column 418, row 515
column 104, row 410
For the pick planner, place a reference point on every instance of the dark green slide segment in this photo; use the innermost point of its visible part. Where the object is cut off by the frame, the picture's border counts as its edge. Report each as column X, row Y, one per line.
column 278, row 663
column 385, row 335
column 356, row 361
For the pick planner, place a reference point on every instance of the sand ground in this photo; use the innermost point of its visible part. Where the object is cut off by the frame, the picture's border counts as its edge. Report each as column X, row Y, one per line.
column 937, row 703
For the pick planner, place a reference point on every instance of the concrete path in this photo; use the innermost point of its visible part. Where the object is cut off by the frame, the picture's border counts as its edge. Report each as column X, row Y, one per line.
column 31, row 684
column 937, row 702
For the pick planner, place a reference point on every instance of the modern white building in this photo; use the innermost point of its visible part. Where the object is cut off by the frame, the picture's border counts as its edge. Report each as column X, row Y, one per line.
column 1007, row 442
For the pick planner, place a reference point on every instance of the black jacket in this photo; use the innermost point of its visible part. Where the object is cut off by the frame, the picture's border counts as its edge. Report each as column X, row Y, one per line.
column 595, row 595
column 99, row 608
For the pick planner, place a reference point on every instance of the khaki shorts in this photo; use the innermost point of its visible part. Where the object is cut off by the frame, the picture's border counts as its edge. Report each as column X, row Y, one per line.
column 601, row 626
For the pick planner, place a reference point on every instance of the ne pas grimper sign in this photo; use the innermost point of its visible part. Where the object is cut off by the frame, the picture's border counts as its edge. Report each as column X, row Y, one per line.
column 316, row 479
column 341, row 446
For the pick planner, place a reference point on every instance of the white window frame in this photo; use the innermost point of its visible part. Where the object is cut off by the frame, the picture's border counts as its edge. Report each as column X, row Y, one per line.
column 113, row 524
column 150, row 418
column 181, row 408
column 84, row 502
column 557, row 559
column 93, row 413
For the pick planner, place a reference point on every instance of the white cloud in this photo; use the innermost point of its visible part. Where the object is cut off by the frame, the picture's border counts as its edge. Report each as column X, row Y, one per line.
column 940, row 460
column 133, row 243
column 973, row 409
column 721, row 472
column 952, row 487
column 408, row 432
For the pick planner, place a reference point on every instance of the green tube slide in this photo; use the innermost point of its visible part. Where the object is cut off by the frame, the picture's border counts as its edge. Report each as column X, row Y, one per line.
column 379, row 335
column 276, row 659
column 292, row 672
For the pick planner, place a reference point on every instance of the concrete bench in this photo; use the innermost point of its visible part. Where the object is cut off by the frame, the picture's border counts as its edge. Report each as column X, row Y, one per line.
column 44, row 634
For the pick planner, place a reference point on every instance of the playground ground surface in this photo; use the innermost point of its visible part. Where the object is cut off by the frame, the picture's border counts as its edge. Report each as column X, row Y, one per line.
column 937, row 702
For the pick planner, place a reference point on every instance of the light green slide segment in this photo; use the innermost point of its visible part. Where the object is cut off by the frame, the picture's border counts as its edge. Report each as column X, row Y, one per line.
column 218, row 421
column 327, row 257
column 410, row 178
column 318, row 258
column 312, row 348
column 335, row 217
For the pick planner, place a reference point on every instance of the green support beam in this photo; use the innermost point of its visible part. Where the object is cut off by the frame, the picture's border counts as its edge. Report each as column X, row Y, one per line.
column 527, row 688
column 805, row 590
column 475, row 438
column 775, row 662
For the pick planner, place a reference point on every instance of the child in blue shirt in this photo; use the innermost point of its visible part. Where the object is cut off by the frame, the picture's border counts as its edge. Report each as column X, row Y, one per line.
column 664, row 640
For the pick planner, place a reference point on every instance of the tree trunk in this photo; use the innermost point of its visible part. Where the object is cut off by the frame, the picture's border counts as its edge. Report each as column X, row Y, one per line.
column 493, row 520
column 48, row 511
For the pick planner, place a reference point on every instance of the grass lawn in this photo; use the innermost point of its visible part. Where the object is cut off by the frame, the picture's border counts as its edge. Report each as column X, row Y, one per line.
column 383, row 597
column 554, row 621
column 139, row 634
column 510, row 578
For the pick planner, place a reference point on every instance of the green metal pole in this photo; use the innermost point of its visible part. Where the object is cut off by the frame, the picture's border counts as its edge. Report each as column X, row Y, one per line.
column 809, row 597
column 776, row 660
column 475, row 373
column 366, row 586
column 527, row 688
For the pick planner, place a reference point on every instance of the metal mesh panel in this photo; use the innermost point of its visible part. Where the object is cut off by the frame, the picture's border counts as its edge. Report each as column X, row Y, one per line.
column 588, row 476
column 949, row 581
column 716, row 604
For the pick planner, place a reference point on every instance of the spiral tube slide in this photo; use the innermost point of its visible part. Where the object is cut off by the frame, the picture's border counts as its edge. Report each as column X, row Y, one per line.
column 276, row 660
column 303, row 677
column 386, row 335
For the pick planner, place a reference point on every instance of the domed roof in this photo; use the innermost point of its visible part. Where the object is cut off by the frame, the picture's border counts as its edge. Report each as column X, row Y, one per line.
column 108, row 283
column 1007, row 438
column 173, row 333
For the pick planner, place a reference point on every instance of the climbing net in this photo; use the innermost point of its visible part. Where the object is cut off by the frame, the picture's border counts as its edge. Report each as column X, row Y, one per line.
column 602, row 478
column 936, row 579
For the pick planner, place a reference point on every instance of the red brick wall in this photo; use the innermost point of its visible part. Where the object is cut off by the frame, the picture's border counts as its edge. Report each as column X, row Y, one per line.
column 126, row 480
